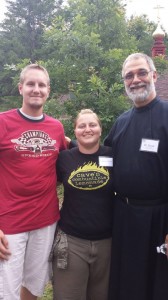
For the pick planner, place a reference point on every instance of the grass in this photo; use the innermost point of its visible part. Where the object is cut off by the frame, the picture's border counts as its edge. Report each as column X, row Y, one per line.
column 48, row 294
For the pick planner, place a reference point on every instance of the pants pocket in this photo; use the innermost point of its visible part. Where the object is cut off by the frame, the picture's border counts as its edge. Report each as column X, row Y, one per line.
column 60, row 250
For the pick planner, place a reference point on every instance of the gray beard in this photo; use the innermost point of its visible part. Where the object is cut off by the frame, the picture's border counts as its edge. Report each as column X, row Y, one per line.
column 138, row 98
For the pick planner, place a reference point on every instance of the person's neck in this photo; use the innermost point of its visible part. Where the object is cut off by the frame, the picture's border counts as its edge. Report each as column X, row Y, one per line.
column 30, row 115
column 87, row 150
column 145, row 102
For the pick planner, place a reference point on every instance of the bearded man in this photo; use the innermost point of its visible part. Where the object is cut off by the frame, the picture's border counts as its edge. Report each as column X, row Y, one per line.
column 139, row 141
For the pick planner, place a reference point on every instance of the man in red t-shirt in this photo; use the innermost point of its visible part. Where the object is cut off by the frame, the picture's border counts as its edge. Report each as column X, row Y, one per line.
column 30, row 142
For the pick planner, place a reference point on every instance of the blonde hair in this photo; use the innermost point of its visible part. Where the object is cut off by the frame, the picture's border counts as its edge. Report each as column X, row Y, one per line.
column 84, row 112
column 33, row 67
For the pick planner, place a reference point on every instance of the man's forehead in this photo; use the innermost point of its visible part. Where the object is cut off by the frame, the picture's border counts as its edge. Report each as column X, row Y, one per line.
column 31, row 72
column 135, row 64
column 35, row 75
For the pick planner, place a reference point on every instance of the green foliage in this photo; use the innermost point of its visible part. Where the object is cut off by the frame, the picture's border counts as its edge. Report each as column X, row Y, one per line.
column 161, row 64
column 79, row 39
column 6, row 103
column 83, row 44
column 6, row 81
column 48, row 293
column 107, row 102
column 88, row 42
column 23, row 27
column 21, row 35
column 142, row 29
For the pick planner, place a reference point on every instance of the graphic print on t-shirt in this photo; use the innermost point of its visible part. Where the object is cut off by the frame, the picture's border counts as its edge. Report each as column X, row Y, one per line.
column 34, row 141
column 89, row 177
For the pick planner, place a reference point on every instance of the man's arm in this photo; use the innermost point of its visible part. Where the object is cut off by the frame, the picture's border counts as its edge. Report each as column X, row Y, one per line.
column 71, row 143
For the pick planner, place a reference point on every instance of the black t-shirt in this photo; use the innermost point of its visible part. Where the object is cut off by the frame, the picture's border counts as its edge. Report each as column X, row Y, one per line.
column 88, row 193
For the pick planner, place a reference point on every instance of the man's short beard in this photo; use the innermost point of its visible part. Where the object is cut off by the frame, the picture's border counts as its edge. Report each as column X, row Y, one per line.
column 36, row 105
column 138, row 98
column 141, row 97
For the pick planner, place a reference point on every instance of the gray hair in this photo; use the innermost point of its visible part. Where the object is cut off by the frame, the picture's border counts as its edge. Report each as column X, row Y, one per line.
column 137, row 56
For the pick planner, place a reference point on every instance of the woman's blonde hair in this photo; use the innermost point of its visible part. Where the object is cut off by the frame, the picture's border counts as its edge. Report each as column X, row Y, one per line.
column 84, row 112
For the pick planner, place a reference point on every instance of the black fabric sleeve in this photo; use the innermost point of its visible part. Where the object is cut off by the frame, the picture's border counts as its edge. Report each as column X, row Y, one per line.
column 72, row 144
column 108, row 139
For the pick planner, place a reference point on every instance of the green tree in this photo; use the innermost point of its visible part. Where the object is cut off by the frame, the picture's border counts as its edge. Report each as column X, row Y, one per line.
column 83, row 44
column 142, row 29
column 22, row 29
column 87, row 43
column 161, row 64
column 21, row 35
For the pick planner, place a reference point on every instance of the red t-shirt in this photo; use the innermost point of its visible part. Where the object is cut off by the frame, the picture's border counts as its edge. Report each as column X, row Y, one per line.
column 28, row 154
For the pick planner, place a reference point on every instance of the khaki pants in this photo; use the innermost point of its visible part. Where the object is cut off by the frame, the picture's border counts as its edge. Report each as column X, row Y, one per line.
column 86, row 276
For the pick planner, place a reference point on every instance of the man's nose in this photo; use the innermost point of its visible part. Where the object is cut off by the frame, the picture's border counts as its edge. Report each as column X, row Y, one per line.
column 136, row 78
column 36, row 88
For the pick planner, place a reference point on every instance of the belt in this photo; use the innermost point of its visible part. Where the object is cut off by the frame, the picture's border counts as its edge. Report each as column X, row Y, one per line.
column 142, row 202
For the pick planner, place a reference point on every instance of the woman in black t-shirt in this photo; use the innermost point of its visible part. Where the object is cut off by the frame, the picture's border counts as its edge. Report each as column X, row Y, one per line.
column 82, row 248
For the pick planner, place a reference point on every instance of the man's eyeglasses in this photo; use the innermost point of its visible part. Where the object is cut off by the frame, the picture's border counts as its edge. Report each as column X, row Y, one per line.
column 141, row 74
